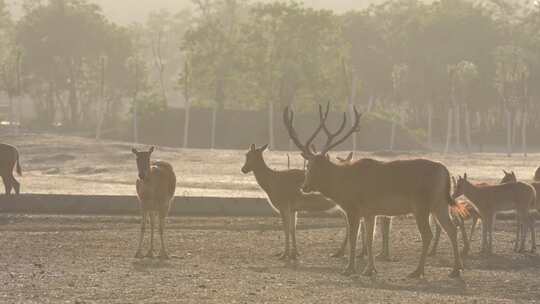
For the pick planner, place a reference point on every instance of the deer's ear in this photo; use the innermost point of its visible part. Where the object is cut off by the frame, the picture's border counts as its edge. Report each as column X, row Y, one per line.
column 263, row 148
column 465, row 176
column 152, row 148
column 306, row 156
column 349, row 157
column 505, row 173
column 134, row 151
column 341, row 159
column 327, row 156
column 252, row 147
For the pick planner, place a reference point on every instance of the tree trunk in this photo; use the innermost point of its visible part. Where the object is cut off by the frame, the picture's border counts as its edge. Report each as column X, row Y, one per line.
column 101, row 103
column 135, row 121
column 393, row 134
column 187, row 112
column 213, row 134
column 508, row 132
column 448, row 131
column 468, row 130
column 271, row 125
column 430, row 127
column 524, row 133
column 457, row 126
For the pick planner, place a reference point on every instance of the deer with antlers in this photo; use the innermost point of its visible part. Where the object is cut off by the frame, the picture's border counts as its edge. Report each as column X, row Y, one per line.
column 155, row 190
column 367, row 188
column 385, row 224
column 490, row 199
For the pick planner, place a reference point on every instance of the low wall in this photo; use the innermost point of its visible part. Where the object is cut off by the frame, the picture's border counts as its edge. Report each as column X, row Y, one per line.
column 118, row 205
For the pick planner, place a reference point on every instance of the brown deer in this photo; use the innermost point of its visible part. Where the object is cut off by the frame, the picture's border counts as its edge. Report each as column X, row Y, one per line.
column 282, row 189
column 490, row 199
column 9, row 160
column 385, row 224
column 155, row 189
column 466, row 211
column 537, row 175
column 367, row 188
column 510, row 177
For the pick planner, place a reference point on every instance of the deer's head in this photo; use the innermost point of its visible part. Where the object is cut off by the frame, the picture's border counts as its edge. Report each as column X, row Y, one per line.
column 459, row 186
column 318, row 163
column 254, row 157
column 509, row 177
column 143, row 161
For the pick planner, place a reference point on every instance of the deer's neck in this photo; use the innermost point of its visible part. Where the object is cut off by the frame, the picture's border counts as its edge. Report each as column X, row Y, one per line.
column 332, row 187
column 472, row 193
column 263, row 174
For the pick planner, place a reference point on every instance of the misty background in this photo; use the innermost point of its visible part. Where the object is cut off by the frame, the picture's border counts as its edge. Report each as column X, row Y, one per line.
column 449, row 75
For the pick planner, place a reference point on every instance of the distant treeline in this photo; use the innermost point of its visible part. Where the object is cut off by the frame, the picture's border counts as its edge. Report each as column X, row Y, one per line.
column 469, row 68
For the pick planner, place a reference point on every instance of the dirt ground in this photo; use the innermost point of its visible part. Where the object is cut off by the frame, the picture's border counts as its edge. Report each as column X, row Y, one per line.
column 87, row 259
column 55, row 164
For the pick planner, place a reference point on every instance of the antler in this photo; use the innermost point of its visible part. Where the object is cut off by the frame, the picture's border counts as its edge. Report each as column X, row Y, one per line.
column 288, row 118
column 331, row 136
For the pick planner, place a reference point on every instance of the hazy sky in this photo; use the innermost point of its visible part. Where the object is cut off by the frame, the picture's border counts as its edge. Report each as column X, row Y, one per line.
column 127, row 11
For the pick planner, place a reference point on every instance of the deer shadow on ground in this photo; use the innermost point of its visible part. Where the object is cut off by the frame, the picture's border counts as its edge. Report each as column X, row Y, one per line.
column 506, row 262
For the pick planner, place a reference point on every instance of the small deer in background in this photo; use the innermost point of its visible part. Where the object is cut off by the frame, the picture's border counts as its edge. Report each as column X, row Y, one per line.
column 510, row 177
column 155, row 189
column 9, row 160
column 490, row 199
column 282, row 189
column 466, row 211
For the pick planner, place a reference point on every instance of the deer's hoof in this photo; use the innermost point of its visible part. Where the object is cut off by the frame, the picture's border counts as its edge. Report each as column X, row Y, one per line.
column 417, row 274
column 150, row 254
column 456, row 273
column 369, row 271
column 163, row 255
column 139, row 255
column 349, row 271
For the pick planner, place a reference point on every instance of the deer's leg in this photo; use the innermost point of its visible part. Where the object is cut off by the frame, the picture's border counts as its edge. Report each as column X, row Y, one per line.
column 532, row 224
column 7, row 184
column 490, row 233
column 446, row 223
column 163, row 253
column 485, row 227
column 341, row 251
column 422, row 222
column 435, row 245
column 285, row 218
column 369, row 270
column 150, row 253
column 385, row 223
column 16, row 185
column 466, row 243
column 141, row 235
column 523, row 225
column 292, row 225
column 354, row 223
column 474, row 222
column 362, row 230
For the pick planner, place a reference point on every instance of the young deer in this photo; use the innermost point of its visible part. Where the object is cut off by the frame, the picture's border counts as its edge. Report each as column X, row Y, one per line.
column 9, row 160
column 385, row 225
column 367, row 188
column 490, row 199
column 284, row 196
column 155, row 189
column 465, row 212
column 510, row 177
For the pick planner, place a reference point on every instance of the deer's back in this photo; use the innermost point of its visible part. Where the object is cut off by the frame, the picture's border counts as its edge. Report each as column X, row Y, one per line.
column 157, row 190
column 505, row 196
column 282, row 186
column 8, row 156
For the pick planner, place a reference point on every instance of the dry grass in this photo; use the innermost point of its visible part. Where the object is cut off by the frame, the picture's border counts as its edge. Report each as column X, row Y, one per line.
column 72, row 165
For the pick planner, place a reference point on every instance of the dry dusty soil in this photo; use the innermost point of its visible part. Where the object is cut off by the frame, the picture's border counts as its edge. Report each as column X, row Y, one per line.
column 89, row 259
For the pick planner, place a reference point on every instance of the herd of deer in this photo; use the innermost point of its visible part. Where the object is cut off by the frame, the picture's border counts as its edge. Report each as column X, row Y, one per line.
column 363, row 189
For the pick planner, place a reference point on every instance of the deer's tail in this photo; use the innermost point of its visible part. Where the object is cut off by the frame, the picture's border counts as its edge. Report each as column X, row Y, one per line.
column 18, row 163
column 460, row 209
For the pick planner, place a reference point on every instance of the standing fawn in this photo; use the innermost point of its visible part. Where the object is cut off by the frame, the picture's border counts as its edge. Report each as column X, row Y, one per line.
column 282, row 189
column 155, row 190
column 367, row 188
column 9, row 160
column 490, row 199
column 385, row 225
column 510, row 177
column 466, row 211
